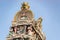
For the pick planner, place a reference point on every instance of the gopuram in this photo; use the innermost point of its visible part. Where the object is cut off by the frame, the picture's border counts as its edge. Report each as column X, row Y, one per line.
column 25, row 27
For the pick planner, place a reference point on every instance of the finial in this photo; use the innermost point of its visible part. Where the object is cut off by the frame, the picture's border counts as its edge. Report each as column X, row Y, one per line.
column 25, row 5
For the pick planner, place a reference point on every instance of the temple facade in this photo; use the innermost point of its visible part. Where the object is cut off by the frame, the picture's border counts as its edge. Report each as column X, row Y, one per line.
column 25, row 27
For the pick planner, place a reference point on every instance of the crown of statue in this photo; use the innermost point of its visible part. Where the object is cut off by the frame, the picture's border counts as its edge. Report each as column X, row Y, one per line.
column 25, row 5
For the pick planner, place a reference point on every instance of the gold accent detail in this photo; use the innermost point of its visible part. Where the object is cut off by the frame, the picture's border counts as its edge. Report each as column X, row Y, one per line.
column 25, row 5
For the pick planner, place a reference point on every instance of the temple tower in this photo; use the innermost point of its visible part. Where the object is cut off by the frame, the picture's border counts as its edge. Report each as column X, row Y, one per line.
column 25, row 27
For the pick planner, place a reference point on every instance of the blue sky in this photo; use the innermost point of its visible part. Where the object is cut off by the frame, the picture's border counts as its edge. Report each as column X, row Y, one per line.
column 48, row 9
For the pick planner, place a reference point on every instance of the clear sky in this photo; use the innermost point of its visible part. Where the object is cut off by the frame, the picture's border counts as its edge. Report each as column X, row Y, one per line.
column 48, row 9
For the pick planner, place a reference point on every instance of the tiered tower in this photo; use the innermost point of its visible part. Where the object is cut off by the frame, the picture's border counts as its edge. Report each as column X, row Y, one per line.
column 25, row 27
